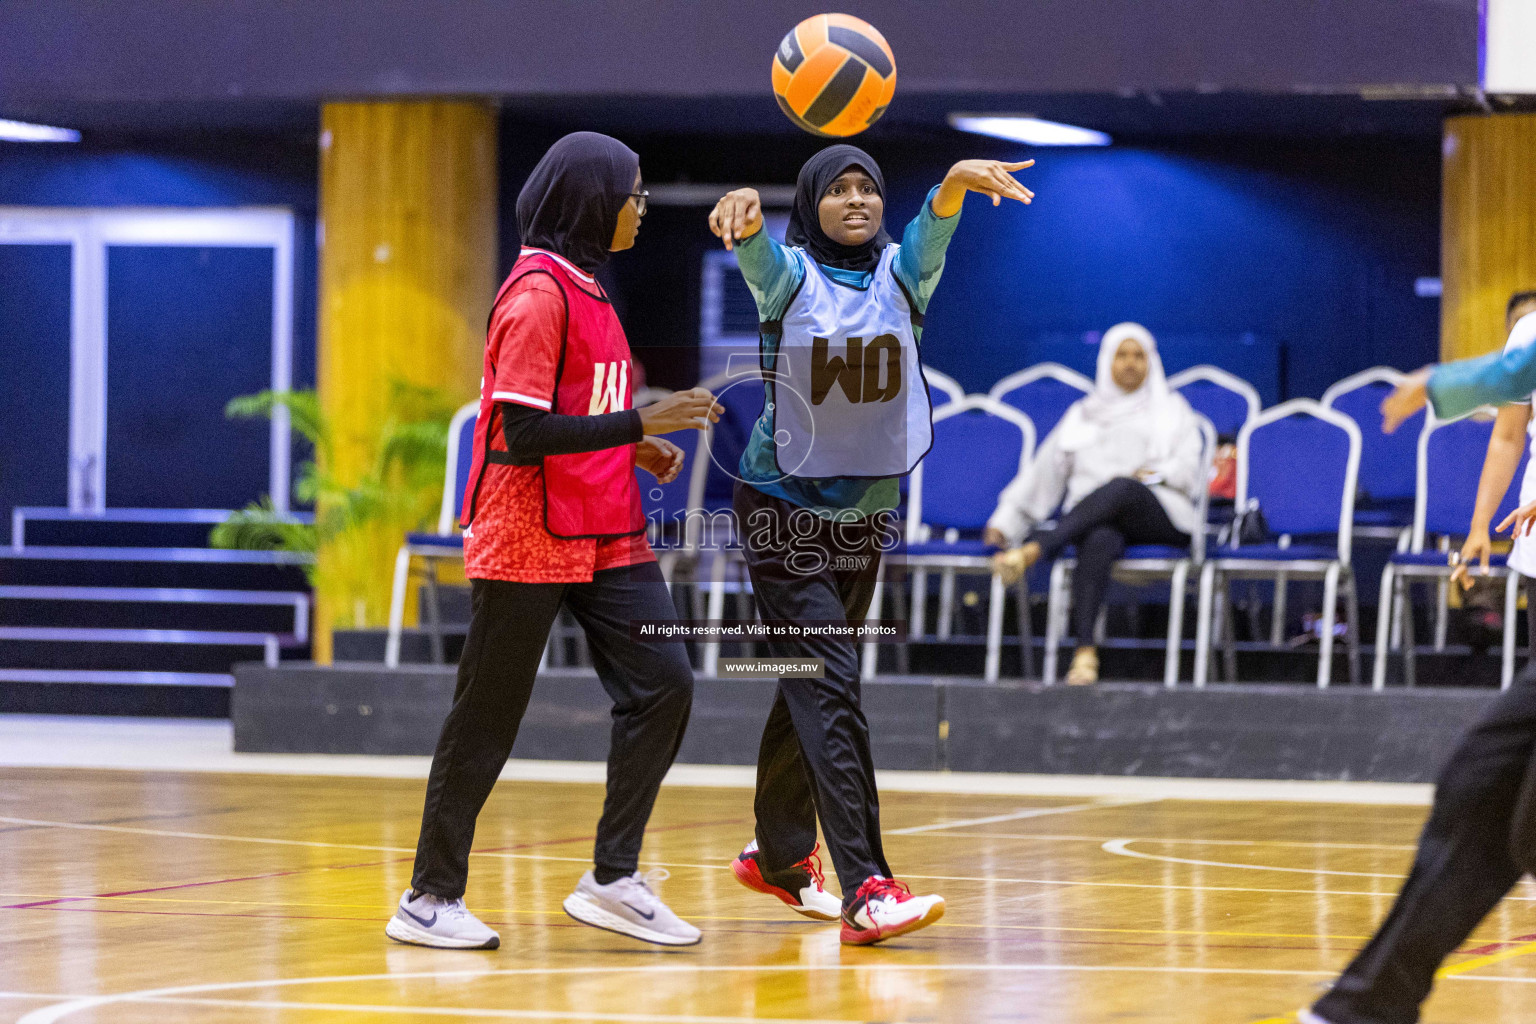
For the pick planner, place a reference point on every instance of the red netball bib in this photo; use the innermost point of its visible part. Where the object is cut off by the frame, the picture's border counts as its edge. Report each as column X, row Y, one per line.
column 588, row 494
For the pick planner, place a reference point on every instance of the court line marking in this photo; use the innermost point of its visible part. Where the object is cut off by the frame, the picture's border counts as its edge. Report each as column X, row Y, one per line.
column 587, row 860
column 1456, row 970
column 311, row 843
column 52, row 1014
column 1021, row 814
column 144, row 745
column 491, row 913
column 1120, row 847
column 452, row 1011
column 36, row 995
column 1292, row 843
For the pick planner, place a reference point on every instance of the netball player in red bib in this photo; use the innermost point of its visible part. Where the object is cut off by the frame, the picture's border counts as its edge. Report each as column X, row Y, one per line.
column 552, row 518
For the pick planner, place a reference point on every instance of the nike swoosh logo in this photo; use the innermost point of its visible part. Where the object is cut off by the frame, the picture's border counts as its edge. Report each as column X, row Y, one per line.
column 648, row 917
column 423, row 921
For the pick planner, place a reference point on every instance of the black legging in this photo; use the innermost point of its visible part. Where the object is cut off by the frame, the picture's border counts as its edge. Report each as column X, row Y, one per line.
column 649, row 680
column 1479, row 840
column 1123, row 511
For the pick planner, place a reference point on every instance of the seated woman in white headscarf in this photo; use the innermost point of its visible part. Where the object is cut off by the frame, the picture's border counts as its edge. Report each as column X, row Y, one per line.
column 1123, row 464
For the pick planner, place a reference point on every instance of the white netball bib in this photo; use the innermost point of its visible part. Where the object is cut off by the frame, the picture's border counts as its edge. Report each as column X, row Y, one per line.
column 1522, row 558
column 849, row 398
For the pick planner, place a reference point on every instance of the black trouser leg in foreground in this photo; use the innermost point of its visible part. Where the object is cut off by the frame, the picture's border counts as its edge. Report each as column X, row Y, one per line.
column 1123, row 511
column 815, row 756
column 650, row 682
column 1480, row 838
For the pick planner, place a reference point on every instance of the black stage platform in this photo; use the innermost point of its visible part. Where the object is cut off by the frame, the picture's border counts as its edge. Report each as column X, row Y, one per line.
column 1246, row 731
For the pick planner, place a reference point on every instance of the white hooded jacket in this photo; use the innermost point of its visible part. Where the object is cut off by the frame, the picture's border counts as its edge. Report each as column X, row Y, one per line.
column 1108, row 434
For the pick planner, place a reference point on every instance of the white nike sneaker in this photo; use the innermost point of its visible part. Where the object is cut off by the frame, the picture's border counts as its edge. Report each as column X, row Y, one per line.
column 425, row 920
column 801, row 885
column 884, row 908
column 629, row 907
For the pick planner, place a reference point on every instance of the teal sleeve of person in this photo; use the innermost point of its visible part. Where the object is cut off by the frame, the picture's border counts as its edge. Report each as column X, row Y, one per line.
column 1499, row 377
column 920, row 263
column 771, row 271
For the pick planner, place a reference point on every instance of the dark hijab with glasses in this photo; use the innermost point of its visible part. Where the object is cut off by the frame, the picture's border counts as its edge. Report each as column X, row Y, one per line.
column 570, row 203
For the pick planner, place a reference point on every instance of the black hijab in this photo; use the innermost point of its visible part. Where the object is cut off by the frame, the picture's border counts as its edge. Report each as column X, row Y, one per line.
column 818, row 174
column 570, row 203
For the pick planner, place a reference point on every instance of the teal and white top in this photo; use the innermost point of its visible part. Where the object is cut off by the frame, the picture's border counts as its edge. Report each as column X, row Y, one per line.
column 775, row 274
column 1498, row 378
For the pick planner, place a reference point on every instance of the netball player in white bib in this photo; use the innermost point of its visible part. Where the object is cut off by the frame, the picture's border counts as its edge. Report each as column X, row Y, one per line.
column 1512, row 432
column 1481, row 834
column 846, row 414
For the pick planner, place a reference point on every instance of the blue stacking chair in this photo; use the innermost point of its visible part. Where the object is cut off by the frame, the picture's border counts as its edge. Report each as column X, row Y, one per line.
column 447, row 544
column 979, row 446
column 1141, row 564
column 1043, row 392
column 711, row 537
column 942, row 388
column 1226, row 400
column 1387, row 461
column 666, row 505
column 1450, row 462
column 1299, row 461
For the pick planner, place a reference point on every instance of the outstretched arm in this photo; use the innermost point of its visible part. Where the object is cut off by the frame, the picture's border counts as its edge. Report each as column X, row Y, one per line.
column 1462, row 386
column 770, row 270
column 926, row 239
column 992, row 178
column 1457, row 388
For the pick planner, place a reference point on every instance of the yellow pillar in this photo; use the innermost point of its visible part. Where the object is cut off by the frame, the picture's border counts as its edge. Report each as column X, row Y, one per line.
column 1488, row 227
column 407, row 273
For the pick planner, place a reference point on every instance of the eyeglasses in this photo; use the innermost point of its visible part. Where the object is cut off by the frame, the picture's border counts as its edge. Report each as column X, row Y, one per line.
column 640, row 198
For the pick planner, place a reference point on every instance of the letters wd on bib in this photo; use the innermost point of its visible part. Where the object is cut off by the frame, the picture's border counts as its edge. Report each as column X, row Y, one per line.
column 848, row 396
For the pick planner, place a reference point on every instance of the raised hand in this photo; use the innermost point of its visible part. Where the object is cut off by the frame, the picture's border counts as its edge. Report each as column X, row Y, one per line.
column 992, row 178
column 738, row 215
column 694, row 409
column 660, row 458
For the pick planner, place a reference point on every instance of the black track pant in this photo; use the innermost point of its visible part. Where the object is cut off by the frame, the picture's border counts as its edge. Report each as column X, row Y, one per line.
column 651, row 685
column 815, row 757
column 1481, row 837
column 1122, row 512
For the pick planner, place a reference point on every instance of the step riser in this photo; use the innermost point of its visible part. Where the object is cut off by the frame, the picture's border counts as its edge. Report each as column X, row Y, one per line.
column 130, row 535
column 97, row 699
column 147, row 657
column 87, row 573
column 147, row 615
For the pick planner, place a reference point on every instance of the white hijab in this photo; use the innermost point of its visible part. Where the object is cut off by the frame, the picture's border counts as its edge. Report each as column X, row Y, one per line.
column 1151, row 410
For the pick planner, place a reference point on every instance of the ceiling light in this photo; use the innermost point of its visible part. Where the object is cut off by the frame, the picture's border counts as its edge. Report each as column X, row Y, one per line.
column 21, row 131
column 1031, row 130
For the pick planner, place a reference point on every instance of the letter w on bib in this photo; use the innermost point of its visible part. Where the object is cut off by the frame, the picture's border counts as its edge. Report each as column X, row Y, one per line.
column 609, row 381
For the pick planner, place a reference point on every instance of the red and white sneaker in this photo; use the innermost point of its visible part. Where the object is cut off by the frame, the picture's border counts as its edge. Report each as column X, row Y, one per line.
column 884, row 908
column 800, row 885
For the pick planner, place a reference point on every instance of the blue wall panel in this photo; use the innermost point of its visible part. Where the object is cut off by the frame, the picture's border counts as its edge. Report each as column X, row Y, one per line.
column 187, row 330
column 1293, row 279
column 34, row 349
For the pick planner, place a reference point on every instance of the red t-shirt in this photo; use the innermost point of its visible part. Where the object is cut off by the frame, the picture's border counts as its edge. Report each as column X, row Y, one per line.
column 508, row 541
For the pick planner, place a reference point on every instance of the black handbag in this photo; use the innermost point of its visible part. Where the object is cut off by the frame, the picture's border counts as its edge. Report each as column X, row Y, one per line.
column 1249, row 525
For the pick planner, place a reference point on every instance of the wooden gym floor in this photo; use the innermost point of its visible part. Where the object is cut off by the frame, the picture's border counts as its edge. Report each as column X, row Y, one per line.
column 141, row 896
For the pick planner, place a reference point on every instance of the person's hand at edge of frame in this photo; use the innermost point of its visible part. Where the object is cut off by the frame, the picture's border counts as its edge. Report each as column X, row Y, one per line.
column 1409, row 397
